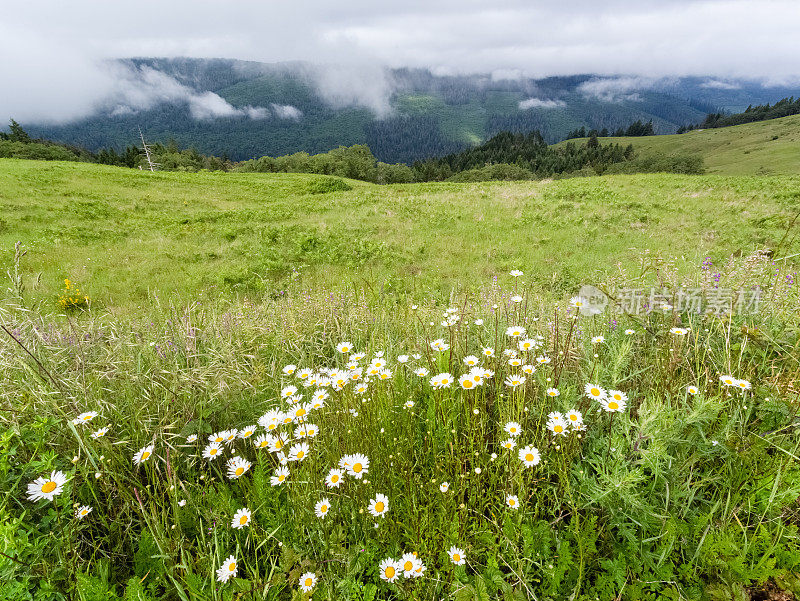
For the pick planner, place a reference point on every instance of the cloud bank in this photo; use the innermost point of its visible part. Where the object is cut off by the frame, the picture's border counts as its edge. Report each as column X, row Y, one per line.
column 538, row 103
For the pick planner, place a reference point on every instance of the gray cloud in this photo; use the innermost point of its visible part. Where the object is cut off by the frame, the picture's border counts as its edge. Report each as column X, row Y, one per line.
column 57, row 48
column 538, row 103
column 286, row 111
column 616, row 89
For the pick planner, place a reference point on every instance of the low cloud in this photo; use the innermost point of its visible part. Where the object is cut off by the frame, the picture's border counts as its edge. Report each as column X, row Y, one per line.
column 539, row 103
column 353, row 85
column 287, row 111
column 615, row 89
column 717, row 84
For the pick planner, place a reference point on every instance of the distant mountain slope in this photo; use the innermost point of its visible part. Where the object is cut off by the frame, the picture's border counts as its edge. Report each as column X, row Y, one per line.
column 248, row 109
column 765, row 147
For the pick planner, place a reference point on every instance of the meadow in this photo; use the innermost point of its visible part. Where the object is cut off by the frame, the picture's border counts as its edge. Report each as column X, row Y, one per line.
column 405, row 401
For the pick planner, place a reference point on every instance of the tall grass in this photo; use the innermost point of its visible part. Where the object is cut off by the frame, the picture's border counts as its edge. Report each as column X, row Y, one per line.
column 679, row 496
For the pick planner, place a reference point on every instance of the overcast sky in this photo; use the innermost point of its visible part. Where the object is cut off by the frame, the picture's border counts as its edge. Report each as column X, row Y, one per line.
column 50, row 50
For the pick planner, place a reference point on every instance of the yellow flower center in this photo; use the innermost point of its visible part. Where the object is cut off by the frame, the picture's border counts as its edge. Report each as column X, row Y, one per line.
column 232, row 566
column 573, row 418
column 456, row 557
column 300, row 412
column 613, row 405
column 213, row 451
column 389, row 572
column 281, row 478
column 379, row 506
column 511, row 502
column 239, row 471
column 528, row 457
column 243, row 520
column 145, row 455
column 300, row 454
column 87, row 418
column 467, row 384
column 279, row 444
column 334, row 479
column 357, row 467
column 323, row 509
column 218, row 439
column 558, row 428
column 307, row 582
column 594, row 392
column 272, row 426
column 407, row 566
column 263, row 444
column 49, row 486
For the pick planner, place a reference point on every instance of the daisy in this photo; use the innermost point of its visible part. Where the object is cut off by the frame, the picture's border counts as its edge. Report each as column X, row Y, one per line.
column 629, row 332
column 593, row 391
column 598, row 339
column 514, row 380
column 99, row 433
column 322, row 507
column 311, row 430
column 444, row 486
column 466, row 382
column 270, row 420
column 457, row 556
column 557, row 426
column 358, row 465
column 228, row 569
column 262, row 441
column 212, row 451
column 617, row 395
column 83, row 511
column 304, row 373
column 528, row 344
column 419, row 570
column 402, row 358
column 230, row 435
column 478, row 322
column 334, row 478
column 528, row 369
column 552, row 392
column 442, row 380
column 743, row 384
column 679, row 331
column 728, row 380
column 515, row 331
column 693, row 390
column 529, row 456
column 513, row 429
column 543, row 360
column 241, row 518
column 47, row 488
column 85, row 418
column 509, row 444
column 515, row 362
column 281, row 476
column 237, row 467
column 409, row 563
column 471, row 360
column 390, row 570
column 191, row 438
column 247, row 431
column 344, row 347
column 379, row 505
column 612, row 406
column 319, row 396
column 516, row 298
column 289, row 369
column 385, row 374
column 512, row 502
column 574, row 417
column 298, row 452
column 577, row 302
column 288, row 391
column 408, row 404
column 308, row 580
column 361, row 388
column 218, row 437
column 357, row 356
column 142, row 455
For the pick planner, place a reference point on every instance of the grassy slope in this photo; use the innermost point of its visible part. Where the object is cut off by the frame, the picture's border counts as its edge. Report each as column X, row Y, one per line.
column 749, row 149
column 120, row 233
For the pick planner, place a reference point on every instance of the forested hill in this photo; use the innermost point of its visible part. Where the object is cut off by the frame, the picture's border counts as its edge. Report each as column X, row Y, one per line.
column 244, row 110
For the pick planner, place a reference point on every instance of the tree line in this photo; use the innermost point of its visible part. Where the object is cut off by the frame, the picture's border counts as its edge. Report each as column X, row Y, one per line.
column 762, row 112
column 637, row 128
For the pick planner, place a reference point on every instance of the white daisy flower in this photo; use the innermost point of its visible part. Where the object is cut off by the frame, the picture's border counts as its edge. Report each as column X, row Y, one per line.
column 344, row 347
column 308, row 580
column 212, row 451
column 334, row 478
column 457, row 556
column 512, row 502
column 143, row 454
column 237, row 467
column 515, row 331
column 444, row 486
column 227, row 570
column 47, row 488
column 529, row 456
column 595, row 392
column 100, row 433
column 390, row 570
column 513, row 429
column 281, row 476
column 379, row 505
column 299, row 451
column 241, row 518
column 322, row 507
column 82, row 511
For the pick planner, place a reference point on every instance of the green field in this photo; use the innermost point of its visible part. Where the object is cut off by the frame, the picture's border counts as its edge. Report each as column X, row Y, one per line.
column 762, row 148
column 123, row 234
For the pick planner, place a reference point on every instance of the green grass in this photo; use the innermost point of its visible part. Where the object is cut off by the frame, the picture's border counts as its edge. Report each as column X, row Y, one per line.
column 762, row 148
column 123, row 234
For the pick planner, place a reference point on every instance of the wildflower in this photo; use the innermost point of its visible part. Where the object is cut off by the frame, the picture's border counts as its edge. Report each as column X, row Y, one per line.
column 515, row 331
column 552, row 392
column 557, row 426
column 322, row 507
column 47, row 488
column 515, row 362
column 191, row 438
column 299, row 414
column 230, row 435
column 513, row 428
column 529, row 456
column 577, row 302
column 334, row 478
column 298, row 452
column 311, row 430
column 442, row 380
column 528, row 369
column 357, row 356
column 402, row 358
column 218, row 437
column 385, row 374
column 237, row 467
column 288, row 391
column 693, row 390
column 617, row 395
column 574, row 418
column 466, row 382
column 408, row 404
column 421, row 372
column 100, row 433
column 83, row 511
column 478, row 322
column 304, row 374
column 598, row 339
column 85, row 418
column 362, row 388
column 344, row 347
column 528, row 344
column 509, row 444
column 289, row 369
column 471, row 360
column 488, row 351
column 182, row 503
column 308, row 580
column 270, row 420
column 228, row 569
column 514, row 380
column 516, row 298
column 612, row 406
column 457, row 556
column 593, row 391
column 515, row 273
column 419, row 570
column 142, row 455
column 358, row 465
column 543, row 360
column 439, row 345
column 379, row 505
column 743, row 384
column 390, row 570
column 629, row 332
column 409, row 563
column 444, row 486
column 247, row 431
column 280, row 477
column 728, row 380
column 679, row 331
column 241, row 519
column 262, row 441
column 212, row 451
column 512, row 502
